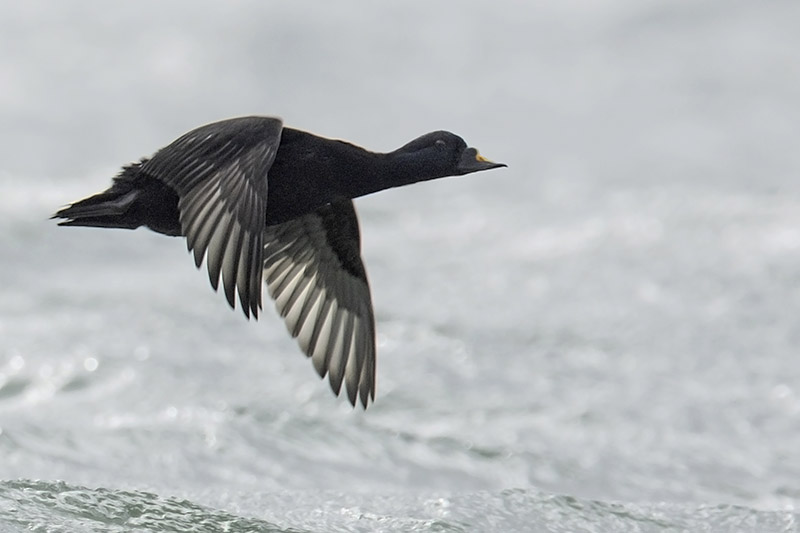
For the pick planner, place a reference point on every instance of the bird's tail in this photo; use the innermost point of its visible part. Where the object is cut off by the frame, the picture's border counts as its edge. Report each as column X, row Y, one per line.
column 104, row 210
column 135, row 199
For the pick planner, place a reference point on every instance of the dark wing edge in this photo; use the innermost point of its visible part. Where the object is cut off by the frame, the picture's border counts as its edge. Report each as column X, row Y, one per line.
column 220, row 174
column 314, row 272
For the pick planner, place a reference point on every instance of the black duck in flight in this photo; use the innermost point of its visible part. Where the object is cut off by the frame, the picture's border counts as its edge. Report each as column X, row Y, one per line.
column 262, row 201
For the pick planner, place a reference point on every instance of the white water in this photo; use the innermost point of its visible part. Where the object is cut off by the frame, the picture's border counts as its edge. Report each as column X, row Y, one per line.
column 602, row 337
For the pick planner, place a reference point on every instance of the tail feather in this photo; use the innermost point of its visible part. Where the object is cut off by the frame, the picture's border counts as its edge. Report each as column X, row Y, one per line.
column 104, row 207
column 135, row 199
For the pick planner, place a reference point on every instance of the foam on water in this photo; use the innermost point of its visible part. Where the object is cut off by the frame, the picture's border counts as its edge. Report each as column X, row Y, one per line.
column 601, row 337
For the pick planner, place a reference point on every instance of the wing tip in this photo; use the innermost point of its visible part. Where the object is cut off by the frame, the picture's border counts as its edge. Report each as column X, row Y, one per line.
column 361, row 393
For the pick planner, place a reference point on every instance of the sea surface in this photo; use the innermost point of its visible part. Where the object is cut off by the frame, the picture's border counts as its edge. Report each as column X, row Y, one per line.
column 603, row 337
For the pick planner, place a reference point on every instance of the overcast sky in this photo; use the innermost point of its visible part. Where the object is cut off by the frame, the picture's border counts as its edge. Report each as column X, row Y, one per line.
column 686, row 88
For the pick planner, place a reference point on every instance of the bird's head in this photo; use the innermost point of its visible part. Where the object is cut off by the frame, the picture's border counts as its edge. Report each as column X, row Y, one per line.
column 448, row 154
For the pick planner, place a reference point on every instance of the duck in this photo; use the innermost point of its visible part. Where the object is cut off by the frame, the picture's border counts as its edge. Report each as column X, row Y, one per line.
column 262, row 202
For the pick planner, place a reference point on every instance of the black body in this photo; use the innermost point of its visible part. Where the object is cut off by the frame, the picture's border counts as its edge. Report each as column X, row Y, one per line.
column 258, row 200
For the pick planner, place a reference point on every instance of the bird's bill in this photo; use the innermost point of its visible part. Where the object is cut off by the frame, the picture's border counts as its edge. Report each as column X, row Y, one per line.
column 472, row 161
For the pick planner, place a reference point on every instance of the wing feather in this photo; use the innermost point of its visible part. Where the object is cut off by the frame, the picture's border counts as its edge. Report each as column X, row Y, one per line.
column 219, row 172
column 314, row 272
column 230, row 267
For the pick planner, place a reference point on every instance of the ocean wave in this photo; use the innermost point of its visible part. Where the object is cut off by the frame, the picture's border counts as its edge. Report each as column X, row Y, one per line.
column 56, row 506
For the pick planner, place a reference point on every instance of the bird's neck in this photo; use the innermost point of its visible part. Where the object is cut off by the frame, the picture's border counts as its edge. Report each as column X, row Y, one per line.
column 310, row 171
column 373, row 172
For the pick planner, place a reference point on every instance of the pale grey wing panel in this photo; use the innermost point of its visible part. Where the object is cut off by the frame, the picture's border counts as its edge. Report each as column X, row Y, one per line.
column 220, row 174
column 314, row 272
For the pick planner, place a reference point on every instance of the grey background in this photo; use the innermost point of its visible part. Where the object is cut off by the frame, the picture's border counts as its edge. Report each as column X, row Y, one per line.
column 601, row 337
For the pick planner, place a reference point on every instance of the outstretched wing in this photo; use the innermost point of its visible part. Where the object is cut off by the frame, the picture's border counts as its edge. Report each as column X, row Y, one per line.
column 314, row 272
column 220, row 174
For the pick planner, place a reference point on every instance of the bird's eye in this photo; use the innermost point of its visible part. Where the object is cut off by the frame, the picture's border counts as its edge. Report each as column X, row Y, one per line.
column 439, row 143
